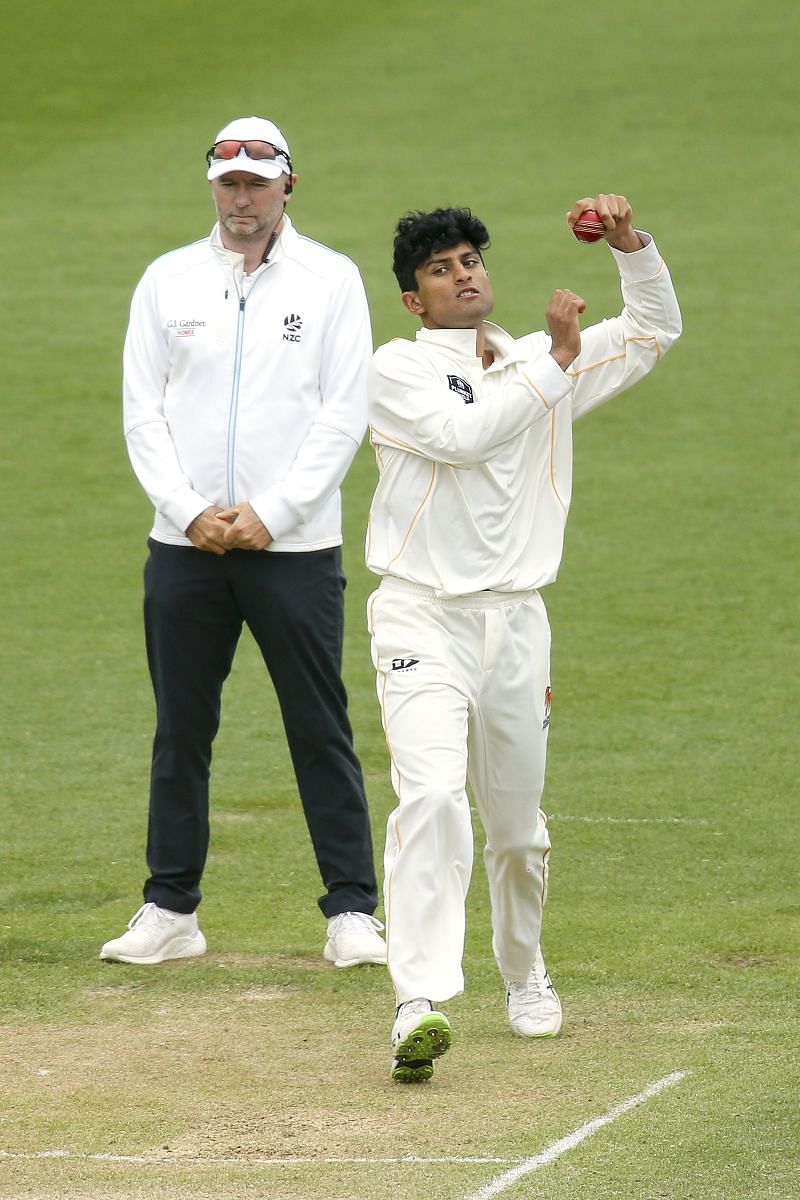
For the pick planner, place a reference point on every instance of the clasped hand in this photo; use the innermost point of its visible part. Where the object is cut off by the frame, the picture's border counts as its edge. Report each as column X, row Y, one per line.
column 239, row 527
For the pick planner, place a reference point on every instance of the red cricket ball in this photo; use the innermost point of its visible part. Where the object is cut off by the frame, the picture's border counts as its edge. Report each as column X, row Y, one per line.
column 589, row 227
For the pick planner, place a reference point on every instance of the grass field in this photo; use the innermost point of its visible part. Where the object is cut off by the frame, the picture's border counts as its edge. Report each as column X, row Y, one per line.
column 672, row 929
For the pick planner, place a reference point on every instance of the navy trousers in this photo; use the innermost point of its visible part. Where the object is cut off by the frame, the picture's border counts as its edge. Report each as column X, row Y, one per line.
column 195, row 606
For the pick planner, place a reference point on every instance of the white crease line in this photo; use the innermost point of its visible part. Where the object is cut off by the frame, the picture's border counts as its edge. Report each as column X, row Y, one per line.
column 522, row 1167
column 187, row 1161
column 551, row 1153
column 630, row 820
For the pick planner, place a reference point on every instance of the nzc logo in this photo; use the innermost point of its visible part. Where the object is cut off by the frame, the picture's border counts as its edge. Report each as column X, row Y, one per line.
column 293, row 325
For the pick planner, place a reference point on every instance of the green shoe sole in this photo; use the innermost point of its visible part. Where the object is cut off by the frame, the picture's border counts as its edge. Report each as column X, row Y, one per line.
column 413, row 1057
column 412, row 1071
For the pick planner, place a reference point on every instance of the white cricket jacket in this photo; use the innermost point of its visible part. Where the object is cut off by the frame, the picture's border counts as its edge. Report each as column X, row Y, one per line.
column 248, row 388
column 476, row 465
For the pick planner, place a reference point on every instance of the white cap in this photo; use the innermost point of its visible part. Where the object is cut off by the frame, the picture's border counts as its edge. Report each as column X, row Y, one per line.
column 251, row 129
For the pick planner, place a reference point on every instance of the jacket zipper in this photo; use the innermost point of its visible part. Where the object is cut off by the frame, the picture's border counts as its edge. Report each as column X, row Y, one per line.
column 234, row 405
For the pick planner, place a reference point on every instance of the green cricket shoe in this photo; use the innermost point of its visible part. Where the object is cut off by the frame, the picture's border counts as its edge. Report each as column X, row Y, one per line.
column 420, row 1035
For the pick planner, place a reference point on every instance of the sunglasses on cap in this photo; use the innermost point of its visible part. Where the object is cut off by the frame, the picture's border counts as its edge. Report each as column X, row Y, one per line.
column 254, row 150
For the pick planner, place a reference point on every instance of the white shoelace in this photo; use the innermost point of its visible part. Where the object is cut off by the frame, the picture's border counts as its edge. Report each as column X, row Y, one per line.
column 414, row 1007
column 149, row 914
column 535, row 987
column 352, row 920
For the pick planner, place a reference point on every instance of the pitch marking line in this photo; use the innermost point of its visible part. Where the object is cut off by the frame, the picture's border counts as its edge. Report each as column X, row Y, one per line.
column 152, row 1160
column 554, row 1151
column 499, row 1184
column 629, row 820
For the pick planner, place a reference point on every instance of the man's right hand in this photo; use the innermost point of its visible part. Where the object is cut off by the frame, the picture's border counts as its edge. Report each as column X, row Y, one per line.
column 207, row 532
column 562, row 320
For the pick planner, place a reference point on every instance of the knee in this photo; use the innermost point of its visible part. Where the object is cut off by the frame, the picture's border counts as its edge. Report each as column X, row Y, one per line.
column 525, row 841
column 438, row 814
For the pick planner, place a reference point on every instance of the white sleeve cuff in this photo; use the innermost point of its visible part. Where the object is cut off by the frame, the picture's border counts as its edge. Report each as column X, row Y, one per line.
column 183, row 506
column 275, row 512
column 546, row 379
column 639, row 264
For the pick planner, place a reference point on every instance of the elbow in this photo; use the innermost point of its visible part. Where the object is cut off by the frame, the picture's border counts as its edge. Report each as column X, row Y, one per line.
column 671, row 331
column 451, row 442
column 674, row 333
column 462, row 454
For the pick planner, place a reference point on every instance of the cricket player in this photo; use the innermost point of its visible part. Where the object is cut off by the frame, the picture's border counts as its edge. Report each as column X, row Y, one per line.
column 472, row 430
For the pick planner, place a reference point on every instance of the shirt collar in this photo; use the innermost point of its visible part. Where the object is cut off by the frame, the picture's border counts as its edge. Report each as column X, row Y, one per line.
column 464, row 342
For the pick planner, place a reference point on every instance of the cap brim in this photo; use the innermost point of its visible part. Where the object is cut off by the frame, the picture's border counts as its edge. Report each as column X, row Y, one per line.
column 267, row 168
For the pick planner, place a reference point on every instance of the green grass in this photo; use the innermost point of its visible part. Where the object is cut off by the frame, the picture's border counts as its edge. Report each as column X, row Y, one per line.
column 672, row 925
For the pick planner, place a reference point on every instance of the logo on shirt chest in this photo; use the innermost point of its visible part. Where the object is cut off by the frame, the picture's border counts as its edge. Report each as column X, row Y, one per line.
column 185, row 326
column 461, row 388
column 292, row 326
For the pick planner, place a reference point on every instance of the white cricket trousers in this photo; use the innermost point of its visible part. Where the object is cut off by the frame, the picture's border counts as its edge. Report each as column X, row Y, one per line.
column 464, row 689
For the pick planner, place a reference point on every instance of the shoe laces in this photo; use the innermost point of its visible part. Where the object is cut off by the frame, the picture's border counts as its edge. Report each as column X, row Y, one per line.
column 148, row 914
column 535, row 987
column 352, row 920
column 414, row 1007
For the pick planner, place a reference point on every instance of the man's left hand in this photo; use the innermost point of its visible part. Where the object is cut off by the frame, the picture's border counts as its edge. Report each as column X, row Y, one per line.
column 246, row 530
column 616, row 214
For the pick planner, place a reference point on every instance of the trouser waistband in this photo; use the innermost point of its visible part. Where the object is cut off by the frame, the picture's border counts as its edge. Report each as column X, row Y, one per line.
column 485, row 599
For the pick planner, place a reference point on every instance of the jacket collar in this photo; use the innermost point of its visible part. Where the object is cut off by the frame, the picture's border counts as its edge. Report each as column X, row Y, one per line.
column 463, row 342
column 231, row 258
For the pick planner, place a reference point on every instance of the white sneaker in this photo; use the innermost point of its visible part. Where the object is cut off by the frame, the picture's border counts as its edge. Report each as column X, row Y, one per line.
column 155, row 934
column 353, row 939
column 534, row 1008
column 420, row 1035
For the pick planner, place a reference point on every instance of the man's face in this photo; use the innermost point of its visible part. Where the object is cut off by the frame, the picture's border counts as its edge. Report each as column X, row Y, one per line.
column 453, row 290
column 249, row 207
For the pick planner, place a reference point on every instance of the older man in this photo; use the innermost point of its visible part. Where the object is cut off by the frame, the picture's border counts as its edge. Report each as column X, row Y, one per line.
column 244, row 403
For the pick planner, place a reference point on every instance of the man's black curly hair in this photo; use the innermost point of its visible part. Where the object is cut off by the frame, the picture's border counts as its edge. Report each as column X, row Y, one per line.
column 421, row 234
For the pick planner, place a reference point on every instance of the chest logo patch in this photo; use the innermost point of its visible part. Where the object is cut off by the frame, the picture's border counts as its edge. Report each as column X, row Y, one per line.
column 461, row 388
column 292, row 326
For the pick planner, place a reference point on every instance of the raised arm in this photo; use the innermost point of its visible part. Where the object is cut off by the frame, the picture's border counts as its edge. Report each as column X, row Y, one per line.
column 619, row 351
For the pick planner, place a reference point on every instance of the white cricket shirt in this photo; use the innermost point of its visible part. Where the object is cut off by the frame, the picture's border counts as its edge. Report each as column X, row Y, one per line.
column 476, row 465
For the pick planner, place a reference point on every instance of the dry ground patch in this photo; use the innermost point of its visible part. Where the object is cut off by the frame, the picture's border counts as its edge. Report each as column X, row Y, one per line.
column 205, row 1093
